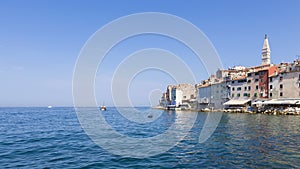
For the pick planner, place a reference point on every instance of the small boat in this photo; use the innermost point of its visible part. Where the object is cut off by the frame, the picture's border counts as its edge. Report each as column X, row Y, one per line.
column 103, row 108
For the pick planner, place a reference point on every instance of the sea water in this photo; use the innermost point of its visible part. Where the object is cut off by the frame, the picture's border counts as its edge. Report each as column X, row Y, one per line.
column 53, row 138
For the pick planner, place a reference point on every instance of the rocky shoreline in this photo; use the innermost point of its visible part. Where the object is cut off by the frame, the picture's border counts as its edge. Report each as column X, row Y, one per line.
column 287, row 111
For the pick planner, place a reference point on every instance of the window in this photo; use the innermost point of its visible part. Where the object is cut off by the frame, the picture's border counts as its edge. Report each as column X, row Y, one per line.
column 232, row 95
column 245, row 87
column 256, row 80
column 249, row 87
column 262, row 80
column 280, row 78
column 271, row 79
column 239, row 88
column 261, row 94
column 270, row 94
column 256, row 73
column 249, row 74
column 281, row 86
column 232, row 82
column 299, row 85
column 232, row 88
column 256, row 87
column 242, row 81
column 184, row 97
column 249, row 81
column 281, row 94
column 255, row 94
column 246, row 94
column 238, row 95
column 299, row 77
column 271, row 86
column 261, row 88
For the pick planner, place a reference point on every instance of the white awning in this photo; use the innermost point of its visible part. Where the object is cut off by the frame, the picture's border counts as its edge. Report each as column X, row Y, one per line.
column 257, row 102
column 281, row 101
column 236, row 102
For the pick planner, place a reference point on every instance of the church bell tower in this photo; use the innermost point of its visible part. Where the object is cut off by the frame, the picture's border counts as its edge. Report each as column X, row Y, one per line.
column 266, row 52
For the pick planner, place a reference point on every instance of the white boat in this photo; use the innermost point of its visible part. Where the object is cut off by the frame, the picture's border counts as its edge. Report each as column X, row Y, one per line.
column 103, row 108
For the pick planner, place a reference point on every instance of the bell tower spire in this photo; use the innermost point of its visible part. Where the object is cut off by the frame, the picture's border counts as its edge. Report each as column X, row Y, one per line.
column 266, row 52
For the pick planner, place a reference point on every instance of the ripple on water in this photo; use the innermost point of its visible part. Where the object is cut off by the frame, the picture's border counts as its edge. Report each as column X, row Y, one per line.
column 53, row 138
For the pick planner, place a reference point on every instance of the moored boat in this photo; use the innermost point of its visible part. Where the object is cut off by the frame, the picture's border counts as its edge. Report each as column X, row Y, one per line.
column 103, row 108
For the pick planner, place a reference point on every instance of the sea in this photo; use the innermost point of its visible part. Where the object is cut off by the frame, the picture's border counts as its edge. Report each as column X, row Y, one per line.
column 38, row 137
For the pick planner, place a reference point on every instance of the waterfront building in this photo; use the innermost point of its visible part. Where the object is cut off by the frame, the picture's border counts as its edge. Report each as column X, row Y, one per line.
column 168, row 94
column 220, row 94
column 204, row 96
column 286, row 83
column 239, row 95
column 252, row 84
column 213, row 93
column 163, row 100
column 188, row 92
column 176, row 96
column 240, row 87
column 180, row 94
column 258, row 81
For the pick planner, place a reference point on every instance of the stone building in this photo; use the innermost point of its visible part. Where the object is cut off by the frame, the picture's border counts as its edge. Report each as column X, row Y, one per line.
column 238, row 88
column 179, row 94
column 213, row 93
column 285, row 83
column 220, row 94
column 258, row 81
column 204, row 96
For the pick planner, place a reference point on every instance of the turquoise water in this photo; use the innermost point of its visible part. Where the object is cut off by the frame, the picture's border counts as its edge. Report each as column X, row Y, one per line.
column 53, row 138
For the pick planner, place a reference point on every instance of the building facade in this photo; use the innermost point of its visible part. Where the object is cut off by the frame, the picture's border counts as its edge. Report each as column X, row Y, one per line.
column 213, row 95
column 176, row 95
column 240, row 86
column 204, row 96
column 286, row 83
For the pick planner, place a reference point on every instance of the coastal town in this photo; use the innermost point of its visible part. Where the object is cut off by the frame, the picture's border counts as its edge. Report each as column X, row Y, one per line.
column 266, row 88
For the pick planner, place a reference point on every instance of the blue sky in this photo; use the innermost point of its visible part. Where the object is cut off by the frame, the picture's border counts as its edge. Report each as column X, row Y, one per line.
column 40, row 42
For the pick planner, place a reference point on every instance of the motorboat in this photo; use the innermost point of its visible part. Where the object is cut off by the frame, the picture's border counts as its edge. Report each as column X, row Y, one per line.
column 103, row 108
